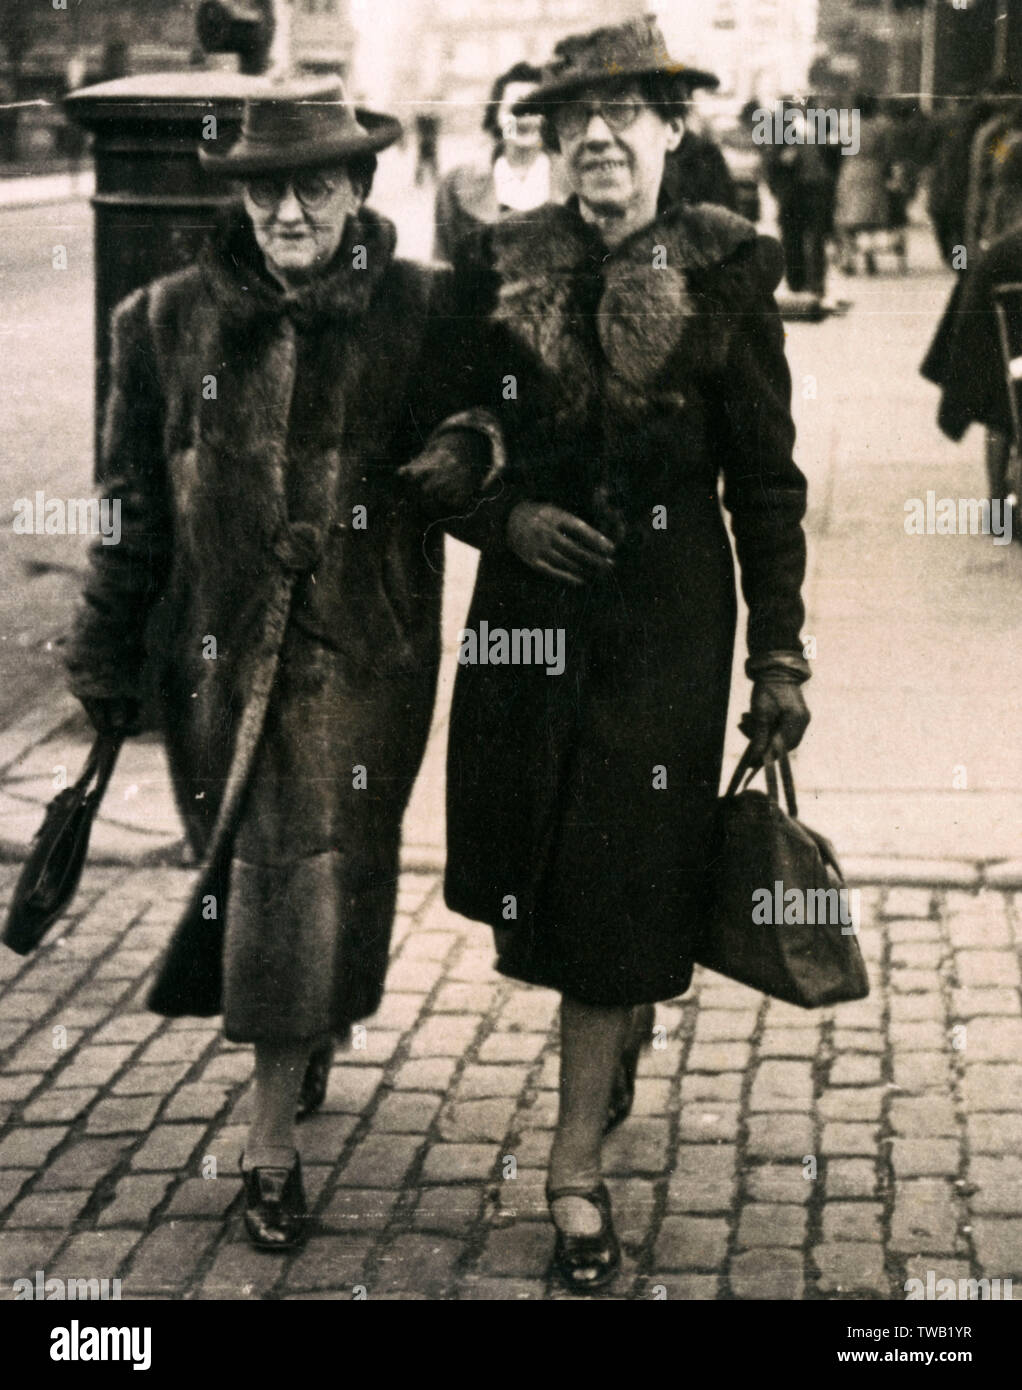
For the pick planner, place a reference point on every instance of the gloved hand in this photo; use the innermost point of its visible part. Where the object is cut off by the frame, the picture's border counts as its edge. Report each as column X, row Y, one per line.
column 558, row 544
column 114, row 717
column 777, row 714
column 447, row 472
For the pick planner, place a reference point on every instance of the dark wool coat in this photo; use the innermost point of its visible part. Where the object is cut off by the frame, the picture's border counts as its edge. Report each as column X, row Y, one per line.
column 579, row 804
column 320, row 395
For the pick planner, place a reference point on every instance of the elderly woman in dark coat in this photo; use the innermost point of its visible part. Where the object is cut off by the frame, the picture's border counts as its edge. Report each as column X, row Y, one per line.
column 635, row 354
column 262, row 403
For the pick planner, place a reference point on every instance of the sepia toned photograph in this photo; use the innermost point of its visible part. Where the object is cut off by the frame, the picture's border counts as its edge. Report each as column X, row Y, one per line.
column 509, row 659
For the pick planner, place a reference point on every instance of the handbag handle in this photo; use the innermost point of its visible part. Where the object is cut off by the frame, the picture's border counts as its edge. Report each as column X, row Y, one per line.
column 100, row 764
column 748, row 766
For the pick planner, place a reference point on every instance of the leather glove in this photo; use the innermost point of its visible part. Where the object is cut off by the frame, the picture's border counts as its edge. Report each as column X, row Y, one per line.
column 777, row 714
column 558, row 544
column 447, row 472
column 115, row 717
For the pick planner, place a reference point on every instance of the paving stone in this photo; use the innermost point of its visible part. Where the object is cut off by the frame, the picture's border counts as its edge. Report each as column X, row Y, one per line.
column 373, row 1048
column 989, row 999
column 94, row 1066
column 923, row 1116
column 168, row 1256
column 703, row 1179
column 471, row 965
column 449, row 1210
column 634, row 1202
column 852, row 1103
column 987, row 968
column 724, row 1025
column 922, row 1071
column 767, row 1273
column 990, row 1086
column 718, row 1057
column 520, row 1195
column 399, row 1011
column 855, row 1070
column 523, row 1249
column 708, row 1122
column 479, row 1082
column 464, row 998
column 322, row 1137
column 664, row 1059
column 416, row 976
column 691, row 1242
column 779, row 1182
column 923, row 1157
column 540, row 1112
column 993, row 1040
column 478, row 1290
column 915, row 981
column 782, row 1015
column 850, row 1177
column 23, row 1252
column 336, row 1262
column 908, row 902
column 82, row 1164
column 782, row 1086
column 459, row 1162
column 46, row 1209
column 917, row 1037
column 19, row 1085
column 852, row 1040
column 840, row 1138
column 930, row 1271
column 998, row 1242
column 687, row 1288
column 428, row 945
column 975, row 930
column 478, row 1120
column 771, row 1224
column 850, row 1267
column 155, row 1081
column 725, row 1085
column 788, row 1042
column 123, row 1115
column 380, row 1161
column 12, row 1180
column 197, row 1101
column 351, row 1089
column 996, row 1134
column 849, row 1221
column 406, row 1112
column 512, row 1047
column 999, row 1183
column 907, row 929
column 200, row 1196
column 916, row 955
column 529, row 1011
column 862, row 1013
column 168, row 1147
column 417, row 1261
column 780, row 1136
column 30, row 1147
column 94, row 1255
column 916, row 1008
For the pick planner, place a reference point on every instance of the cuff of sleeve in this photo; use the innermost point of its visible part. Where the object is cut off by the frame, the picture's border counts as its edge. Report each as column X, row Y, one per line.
column 785, row 666
column 479, row 422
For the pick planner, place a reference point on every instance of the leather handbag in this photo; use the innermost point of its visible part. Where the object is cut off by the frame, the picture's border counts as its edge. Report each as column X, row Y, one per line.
column 780, row 918
column 50, row 875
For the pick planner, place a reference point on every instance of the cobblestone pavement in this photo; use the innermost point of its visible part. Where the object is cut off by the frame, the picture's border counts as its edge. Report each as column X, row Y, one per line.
column 121, row 1131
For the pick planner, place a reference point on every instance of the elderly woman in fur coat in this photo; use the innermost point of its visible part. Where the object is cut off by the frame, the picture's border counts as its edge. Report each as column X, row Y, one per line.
column 281, row 481
column 634, row 352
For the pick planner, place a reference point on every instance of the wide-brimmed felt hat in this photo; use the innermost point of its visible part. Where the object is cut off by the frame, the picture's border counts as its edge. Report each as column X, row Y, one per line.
column 610, row 54
column 301, row 125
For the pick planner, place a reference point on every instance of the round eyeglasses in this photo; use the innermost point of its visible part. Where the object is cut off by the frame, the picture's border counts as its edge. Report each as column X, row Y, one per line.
column 311, row 190
column 572, row 119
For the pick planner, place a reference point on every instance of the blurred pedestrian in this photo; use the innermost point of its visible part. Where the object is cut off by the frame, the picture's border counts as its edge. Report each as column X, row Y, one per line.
column 646, row 355
column 801, row 178
column 516, row 177
column 427, row 137
column 861, row 210
column 302, row 592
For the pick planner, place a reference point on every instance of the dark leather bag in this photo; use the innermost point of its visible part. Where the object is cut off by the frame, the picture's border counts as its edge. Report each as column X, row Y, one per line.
column 801, row 947
column 50, row 875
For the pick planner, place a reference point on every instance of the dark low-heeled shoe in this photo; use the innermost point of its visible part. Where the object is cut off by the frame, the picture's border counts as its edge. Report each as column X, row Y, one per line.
column 275, row 1206
column 623, row 1094
column 585, row 1263
column 315, row 1081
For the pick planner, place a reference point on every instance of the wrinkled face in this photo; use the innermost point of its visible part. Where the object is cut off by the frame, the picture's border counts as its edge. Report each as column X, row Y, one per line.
column 299, row 218
column 614, row 146
column 523, row 132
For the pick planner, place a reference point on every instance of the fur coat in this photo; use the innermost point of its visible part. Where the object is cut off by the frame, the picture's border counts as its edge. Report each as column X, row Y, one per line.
column 628, row 382
column 248, row 429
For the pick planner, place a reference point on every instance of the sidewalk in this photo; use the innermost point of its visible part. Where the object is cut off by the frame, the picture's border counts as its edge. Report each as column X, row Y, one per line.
column 772, row 1153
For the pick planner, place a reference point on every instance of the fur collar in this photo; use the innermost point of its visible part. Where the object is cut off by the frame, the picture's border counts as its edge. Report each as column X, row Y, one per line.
column 644, row 294
column 244, row 291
